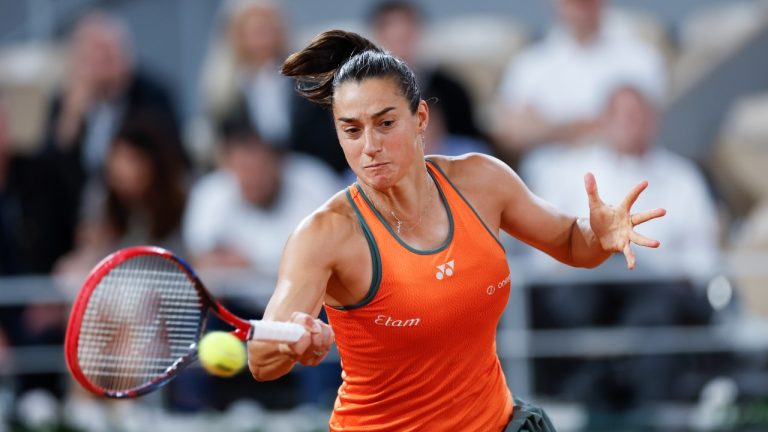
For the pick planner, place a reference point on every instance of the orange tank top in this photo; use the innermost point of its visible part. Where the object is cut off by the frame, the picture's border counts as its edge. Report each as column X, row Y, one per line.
column 418, row 353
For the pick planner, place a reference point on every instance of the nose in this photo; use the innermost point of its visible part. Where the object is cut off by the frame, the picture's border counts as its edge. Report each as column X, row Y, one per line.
column 371, row 144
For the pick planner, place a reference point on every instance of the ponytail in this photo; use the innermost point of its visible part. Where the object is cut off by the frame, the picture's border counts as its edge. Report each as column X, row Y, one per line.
column 337, row 56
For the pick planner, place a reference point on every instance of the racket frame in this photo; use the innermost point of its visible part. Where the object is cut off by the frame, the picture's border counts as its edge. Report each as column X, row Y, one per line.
column 80, row 304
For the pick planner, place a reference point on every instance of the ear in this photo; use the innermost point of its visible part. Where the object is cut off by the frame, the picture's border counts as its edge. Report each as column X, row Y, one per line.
column 422, row 113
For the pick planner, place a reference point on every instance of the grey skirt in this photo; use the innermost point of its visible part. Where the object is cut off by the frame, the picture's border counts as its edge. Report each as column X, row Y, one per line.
column 528, row 418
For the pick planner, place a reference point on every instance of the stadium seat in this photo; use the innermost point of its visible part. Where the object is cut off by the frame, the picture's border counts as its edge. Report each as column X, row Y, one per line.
column 740, row 154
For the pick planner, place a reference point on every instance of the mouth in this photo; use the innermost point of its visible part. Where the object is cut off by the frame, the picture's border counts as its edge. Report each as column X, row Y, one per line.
column 375, row 165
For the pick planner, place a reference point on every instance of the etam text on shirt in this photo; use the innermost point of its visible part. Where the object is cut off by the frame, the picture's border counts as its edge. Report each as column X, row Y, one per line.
column 387, row 321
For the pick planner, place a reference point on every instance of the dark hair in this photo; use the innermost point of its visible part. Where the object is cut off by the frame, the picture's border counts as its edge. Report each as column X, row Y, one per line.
column 166, row 198
column 237, row 128
column 238, row 131
column 335, row 57
column 389, row 6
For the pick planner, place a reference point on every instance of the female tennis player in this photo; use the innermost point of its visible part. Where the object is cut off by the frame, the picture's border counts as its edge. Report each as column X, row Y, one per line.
column 407, row 261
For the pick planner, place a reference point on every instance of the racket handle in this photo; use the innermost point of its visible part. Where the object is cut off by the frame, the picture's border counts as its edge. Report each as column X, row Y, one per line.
column 275, row 331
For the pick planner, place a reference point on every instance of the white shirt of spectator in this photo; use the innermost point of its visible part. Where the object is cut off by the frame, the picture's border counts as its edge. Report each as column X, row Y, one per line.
column 689, row 231
column 218, row 216
column 565, row 81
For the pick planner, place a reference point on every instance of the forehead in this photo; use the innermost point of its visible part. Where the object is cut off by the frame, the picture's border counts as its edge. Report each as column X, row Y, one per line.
column 357, row 99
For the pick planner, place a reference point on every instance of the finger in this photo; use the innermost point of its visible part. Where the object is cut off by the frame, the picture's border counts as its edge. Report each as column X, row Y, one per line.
column 630, row 256
column 590, row 184
column 325, row 347
column 305, row 320
column 320, row 348
column 330, row 337
column 318, row 359
column 288, row 351
column 303, row 349
column 318, row 352
column 318, row 339
column 643, row 240
column 325, row 339
column 631, row 197
column 310, row 357
column 645, row 216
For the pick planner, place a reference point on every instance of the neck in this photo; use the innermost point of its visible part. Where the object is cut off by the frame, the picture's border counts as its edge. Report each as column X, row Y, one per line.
column 584, row 37
column 637, row 152
column 256, row 63
column 404, row 205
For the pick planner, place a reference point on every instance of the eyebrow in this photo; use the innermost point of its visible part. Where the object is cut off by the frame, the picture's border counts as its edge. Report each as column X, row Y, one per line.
column 377, row 114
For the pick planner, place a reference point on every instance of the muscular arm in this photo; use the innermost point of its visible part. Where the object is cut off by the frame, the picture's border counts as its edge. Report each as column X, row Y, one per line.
column 505, row 202
column 304, row 273
column 567, row 238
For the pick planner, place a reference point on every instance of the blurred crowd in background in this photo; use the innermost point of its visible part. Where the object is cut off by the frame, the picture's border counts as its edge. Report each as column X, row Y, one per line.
column 95, row 155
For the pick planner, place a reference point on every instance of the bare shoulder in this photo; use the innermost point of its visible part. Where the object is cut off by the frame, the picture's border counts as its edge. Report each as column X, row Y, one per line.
column 476, row 171
column 332, row 223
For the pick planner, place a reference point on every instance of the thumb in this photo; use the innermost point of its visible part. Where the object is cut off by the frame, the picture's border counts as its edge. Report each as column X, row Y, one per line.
column 591, row 186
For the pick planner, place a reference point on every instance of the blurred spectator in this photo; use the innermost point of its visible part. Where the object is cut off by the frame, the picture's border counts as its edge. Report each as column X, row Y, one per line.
column 626, row 156
column 241, row 214
column 688, row 255
column 553, row 93
column 241, row 79
column 141, row 200
column 8, row 245
column 6, row 361
column 33, row 231
column 10, row 211
column 33, row 234
column 103, row 89
column 397, row 27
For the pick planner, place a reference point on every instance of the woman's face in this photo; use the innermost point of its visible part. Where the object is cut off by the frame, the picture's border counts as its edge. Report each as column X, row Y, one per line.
column 129, row 172
column 377, row 131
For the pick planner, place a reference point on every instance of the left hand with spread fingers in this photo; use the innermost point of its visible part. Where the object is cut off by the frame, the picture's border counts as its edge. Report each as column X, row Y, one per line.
column 614, row 225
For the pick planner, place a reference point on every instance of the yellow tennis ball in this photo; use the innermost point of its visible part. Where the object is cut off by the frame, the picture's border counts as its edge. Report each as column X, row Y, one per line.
column 221, row 353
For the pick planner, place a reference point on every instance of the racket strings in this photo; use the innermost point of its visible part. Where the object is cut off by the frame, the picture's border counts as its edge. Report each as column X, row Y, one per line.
column 142, row 318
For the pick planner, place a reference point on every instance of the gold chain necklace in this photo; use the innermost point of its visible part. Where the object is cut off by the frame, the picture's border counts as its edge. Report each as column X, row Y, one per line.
column 399, row 225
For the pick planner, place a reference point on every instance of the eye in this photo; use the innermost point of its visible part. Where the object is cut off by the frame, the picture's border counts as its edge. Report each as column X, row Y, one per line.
column 388, row 123
column 351, row 130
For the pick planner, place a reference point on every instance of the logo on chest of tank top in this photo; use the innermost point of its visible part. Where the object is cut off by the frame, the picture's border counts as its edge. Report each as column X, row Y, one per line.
column 492, row 288
column 445, row 270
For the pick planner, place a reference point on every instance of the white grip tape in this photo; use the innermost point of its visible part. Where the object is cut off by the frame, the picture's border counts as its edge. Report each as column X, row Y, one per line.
column 275, row 331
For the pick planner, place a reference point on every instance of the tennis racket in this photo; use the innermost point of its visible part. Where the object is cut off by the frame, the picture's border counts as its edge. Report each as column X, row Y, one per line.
column 137, row 319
